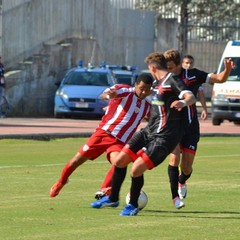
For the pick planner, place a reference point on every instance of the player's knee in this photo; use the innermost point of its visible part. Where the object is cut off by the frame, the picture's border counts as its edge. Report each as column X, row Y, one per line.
column 187, row 170
column 122, row 160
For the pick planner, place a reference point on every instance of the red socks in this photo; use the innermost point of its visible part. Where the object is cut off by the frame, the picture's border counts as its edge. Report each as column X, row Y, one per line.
column 66, row 172
column 108, row 178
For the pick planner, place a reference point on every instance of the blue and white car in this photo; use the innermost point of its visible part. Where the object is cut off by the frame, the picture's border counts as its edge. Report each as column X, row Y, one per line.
column 79, row 92
column 124, row 74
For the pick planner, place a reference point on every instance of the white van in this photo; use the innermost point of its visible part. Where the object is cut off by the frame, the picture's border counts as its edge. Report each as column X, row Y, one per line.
column 226, row 96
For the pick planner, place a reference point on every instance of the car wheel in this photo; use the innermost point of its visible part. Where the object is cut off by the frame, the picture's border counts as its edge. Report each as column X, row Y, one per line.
column 237, row 122
column 216, row 122
column 58, row 115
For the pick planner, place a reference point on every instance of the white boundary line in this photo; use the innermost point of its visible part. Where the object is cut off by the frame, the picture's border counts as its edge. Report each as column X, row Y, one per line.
column 98, row 162
column 43, row 165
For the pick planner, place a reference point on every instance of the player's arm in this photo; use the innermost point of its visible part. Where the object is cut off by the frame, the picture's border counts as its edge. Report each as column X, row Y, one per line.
column 187, row 98
column 117, row 91
column 109, row 93
column 147, row 117
column 202, row 100
column 222, row 76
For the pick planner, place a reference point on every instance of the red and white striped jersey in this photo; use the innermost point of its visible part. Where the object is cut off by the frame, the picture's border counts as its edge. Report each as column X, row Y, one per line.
column 124, row 113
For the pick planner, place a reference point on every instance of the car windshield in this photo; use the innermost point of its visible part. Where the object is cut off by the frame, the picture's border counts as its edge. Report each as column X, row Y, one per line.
column 235, row 73
column 87, row 78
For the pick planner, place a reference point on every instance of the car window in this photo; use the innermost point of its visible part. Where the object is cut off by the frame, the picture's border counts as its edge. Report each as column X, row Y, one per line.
column 235, row 73
column 87, row 78
column 121, row 79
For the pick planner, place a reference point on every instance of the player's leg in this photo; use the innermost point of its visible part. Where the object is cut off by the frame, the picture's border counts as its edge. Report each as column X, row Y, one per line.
column 117, row 179
column 1, row 101
column 173, row 174
column 189, row 147
column 127, row 155
column 138, row 168
column 108, row 178
column 90, row 150
column 68, row 169
column 112, row 153
column 105, row 188
column 186, row 171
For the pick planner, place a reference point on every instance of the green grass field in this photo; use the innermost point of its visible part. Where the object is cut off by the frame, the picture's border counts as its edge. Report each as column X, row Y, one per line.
column 28, row 169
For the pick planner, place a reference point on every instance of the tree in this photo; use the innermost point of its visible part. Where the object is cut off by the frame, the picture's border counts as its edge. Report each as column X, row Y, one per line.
column 199, row 19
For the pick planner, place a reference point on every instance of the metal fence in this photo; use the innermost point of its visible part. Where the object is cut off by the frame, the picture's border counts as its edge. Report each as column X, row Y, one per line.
column 206, row 36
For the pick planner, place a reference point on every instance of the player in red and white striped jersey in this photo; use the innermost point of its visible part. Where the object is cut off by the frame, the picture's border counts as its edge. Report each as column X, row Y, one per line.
column 124, row 113
column 127, row 107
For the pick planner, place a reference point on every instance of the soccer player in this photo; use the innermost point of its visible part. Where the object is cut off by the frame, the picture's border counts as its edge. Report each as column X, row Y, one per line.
column 193, row 79
column 127, row 107
column 188, row 63
column 2, row 86
column 150, row 146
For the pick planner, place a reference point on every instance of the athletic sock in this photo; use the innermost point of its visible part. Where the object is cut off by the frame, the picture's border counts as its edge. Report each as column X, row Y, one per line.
column 117, row 180
column 183, row 178
column 66, row 172
column 173, row 174
column 108, row 178
column 137, row 184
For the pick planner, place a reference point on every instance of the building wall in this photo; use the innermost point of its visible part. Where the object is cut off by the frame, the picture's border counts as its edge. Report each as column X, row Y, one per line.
column 123, row 35
column 42, row 39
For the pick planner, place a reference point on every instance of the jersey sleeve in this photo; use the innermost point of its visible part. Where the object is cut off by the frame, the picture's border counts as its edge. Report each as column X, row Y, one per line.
column 201, row 76
column 178, row 86
column 123, row 90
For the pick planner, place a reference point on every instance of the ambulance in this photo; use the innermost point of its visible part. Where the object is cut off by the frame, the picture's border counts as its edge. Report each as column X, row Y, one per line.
column 226, row 96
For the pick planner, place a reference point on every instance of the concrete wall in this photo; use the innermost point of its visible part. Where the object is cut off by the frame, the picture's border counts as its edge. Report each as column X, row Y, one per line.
column 122, row 34
column 43, row 38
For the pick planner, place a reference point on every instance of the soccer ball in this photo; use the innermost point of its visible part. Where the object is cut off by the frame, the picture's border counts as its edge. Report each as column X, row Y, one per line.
column 142, row 200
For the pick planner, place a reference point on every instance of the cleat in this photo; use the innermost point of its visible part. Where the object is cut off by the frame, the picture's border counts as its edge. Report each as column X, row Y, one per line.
column 104, row 202
column 182, row 190
column 103, row 192
column 55, row 189
column 129, row 210
column 178, row 204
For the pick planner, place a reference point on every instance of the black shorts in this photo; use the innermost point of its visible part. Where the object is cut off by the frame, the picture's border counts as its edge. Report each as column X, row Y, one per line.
column 190, row 139
column 153, row 149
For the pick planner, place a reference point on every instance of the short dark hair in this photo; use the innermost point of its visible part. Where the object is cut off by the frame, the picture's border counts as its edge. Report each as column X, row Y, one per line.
column 145, row 77
column 189, row 57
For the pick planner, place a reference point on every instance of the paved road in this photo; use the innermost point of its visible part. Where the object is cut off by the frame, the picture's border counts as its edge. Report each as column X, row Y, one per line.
column 45, row 128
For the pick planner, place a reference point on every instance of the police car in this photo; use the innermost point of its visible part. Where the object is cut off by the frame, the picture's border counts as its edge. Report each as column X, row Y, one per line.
column 124, row 74
column 79, row 91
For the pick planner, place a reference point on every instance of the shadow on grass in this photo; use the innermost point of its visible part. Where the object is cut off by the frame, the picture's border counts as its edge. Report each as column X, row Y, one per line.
column 197, row 214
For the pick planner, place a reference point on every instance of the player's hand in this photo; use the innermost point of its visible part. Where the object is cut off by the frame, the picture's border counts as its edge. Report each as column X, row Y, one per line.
column 112, row 93
column 204, row 115
column 178, row 104
column 109, row 93
column 229, row 64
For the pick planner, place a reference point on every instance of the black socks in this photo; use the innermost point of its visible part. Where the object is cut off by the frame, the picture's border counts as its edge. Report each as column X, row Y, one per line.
column 173, row 174
column 137, row 184
column 117, row 180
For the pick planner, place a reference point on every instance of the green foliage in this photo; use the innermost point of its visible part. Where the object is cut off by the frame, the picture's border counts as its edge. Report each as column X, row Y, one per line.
column 29, row 168
column 203, row 19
